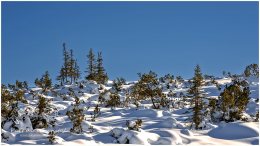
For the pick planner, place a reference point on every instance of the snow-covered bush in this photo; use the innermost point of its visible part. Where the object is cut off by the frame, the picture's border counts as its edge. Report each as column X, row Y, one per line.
column 233, row 100
column 127, row 136
column 41, row 117
column 117, row 84
column 11, row 98
column 51, row 137
column 114, row 100
column 44, row 82
column 134, row 125
column 76, row 116
column 95, row 113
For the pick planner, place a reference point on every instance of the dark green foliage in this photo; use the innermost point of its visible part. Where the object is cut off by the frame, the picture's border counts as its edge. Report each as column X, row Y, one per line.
column 43, row 105
column 233, row 100
column 91, row 70
column 114, row 100
column 212, row 106
column 9, row 102
column 136, row 126
column 95, row 70
column 81, row 86
column 21, row 85
column 148, row 87
column 43, row 109
column 179, row 79
column 117, row 84
column 76, row 116
column 169, row 78
column 95, row 114
column 101, row 98
column 252, row 69
column 51, row 137
column 257, row 116
column 70, row 68
column 45, row 82
column 101, row 76
column 196, row 93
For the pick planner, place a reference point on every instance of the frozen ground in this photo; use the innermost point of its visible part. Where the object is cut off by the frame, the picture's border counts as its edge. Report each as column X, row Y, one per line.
column 163, row 126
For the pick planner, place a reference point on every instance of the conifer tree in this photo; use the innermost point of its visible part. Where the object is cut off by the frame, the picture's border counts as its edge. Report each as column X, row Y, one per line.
column 61, row 76
column 76, row 116
column 43, row 110
column 117, row 84
column 233, row 100
column 196, row 93
column 252, row 69
column 70, row 68
column 76, row 71
column 66, row 62
column 101, row 75
column 91, row 69
column 9, row 103
column 148, row 87
column 45, row 82
column 114, row 100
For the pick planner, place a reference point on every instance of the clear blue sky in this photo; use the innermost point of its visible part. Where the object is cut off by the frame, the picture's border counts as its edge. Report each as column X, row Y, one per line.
column 166, row 37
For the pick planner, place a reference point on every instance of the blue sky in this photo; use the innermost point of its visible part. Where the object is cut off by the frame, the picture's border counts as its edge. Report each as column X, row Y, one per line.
column 166, row 37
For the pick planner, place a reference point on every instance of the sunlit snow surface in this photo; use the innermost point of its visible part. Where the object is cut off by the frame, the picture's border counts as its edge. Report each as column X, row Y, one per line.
column 159, row 127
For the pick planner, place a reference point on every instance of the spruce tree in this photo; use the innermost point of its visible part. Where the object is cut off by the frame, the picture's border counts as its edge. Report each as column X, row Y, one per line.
column 76, row 71
column 101, row 75
column 118, row 83
column 91, row 69
column 66, row 62
column 76, row 116
column 196, row 93
column 42, row 113
column 45, row 82
column 71, row 66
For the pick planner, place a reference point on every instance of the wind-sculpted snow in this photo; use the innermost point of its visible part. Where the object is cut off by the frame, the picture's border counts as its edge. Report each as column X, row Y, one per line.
column 235, row 130
column 164, row 126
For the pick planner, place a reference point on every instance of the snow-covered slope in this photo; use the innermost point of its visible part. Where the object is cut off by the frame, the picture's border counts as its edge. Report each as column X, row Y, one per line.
column 159, row 126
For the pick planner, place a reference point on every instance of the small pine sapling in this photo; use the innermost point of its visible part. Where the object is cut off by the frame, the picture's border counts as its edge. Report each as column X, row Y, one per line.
column 51, row 137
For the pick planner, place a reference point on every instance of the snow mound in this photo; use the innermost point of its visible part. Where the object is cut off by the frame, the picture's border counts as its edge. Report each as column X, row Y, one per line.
column 236, row 130
column 168, row 141
column 133, row 137
column 169, row 123
column 7, row 136
column 143, row 113
column 186, row 132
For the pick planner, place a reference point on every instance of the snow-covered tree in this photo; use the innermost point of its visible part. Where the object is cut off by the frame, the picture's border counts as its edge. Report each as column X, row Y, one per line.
column 76, row 116
column 252, row 69
column 196, row 93
column 233, row 100
column 148, row 88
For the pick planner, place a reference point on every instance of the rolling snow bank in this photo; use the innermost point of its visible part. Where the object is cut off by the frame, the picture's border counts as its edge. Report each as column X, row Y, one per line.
column 235, row 130
column 132, row 137
column 142, row 137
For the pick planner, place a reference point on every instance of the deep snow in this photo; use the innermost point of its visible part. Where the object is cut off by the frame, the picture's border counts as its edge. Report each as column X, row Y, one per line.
column 163, row 126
